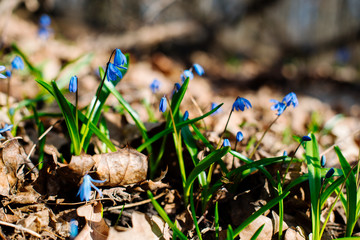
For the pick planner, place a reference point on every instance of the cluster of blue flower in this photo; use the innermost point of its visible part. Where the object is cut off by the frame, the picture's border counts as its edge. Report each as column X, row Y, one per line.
column 17, row 63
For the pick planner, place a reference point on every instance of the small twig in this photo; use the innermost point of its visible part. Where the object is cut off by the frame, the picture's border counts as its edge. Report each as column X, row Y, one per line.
column 21, row 228
column 134, row 204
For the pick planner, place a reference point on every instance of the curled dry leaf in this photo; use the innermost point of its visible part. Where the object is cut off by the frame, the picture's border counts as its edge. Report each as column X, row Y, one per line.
column 143, row 229
column 294, row 234
column 265, row 234
column 123, row 167
column 95, row 227
column 12, row 156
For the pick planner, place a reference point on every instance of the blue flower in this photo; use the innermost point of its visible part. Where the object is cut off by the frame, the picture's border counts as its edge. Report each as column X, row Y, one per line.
column 305, row 138
column 44, row 20
column 198, row 69
column 73, row 84
column 120, row 58
column 278, row 106
column 241, row 103
column 17, row 63
column 226, row 143
column 85, row 188
column 2, row 68
column 155, row 85
column 239, row 136
column 74, row 228
column 187, row 74
column 290, row 99
column 330, row 173
column 114, row 68
column 285, row 153
column 177, row 87
column 186, row 116
column 114, row 72
column 6, row 128
column 8, row 73
column 323, row 160
column 44, row 27
column 163, row 104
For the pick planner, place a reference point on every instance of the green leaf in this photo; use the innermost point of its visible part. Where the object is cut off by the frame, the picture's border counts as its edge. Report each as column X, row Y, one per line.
column 259, row 212
column 257, row 233
column 69, row 117
column 314, row 169
column 165, row 217
column 170, row 130
column 351, row 193
column 204, row 164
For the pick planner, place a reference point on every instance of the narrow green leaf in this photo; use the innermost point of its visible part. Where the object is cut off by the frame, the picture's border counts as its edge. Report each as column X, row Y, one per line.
column 314, row 169
column 165, row 217
column 257, row 233
column 351, row 193
column 69, row 117
column 170, row 130
column 193, row 213
column 204, row 164
column 259, row 212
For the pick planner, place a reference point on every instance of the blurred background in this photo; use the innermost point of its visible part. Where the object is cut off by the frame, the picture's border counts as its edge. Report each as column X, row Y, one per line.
column 309, row 46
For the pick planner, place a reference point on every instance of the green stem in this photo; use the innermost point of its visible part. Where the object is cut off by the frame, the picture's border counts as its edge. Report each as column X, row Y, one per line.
column 97, row 98
column 291, row 160
column 257, row 145
column 76, row 109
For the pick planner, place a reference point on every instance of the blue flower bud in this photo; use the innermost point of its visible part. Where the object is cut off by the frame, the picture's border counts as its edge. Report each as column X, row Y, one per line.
column 17, row 63
column 155, row 86
column 290, row 99
column 239, row 136
column 330, row 173
column 186, row 116
column 285, row 153
column 163, row 104
column 177, row 86
column 323, row 160
column 305, row 138
column 73, row 84
column 226, row 143
column 198, row 69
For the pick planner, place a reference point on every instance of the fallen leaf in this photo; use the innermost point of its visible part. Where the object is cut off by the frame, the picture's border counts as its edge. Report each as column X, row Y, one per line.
column 293, row 234
column 275, row 219
column 90, row 212
column 143, row 229
column 266, row 233
column 123, row 167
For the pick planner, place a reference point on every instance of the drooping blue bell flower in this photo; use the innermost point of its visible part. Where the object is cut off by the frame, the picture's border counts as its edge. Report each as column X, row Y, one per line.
column 85, row 187
column 240, row 104
column 73, row 84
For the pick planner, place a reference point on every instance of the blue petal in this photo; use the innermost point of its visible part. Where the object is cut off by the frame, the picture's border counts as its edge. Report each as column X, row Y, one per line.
column 17, row 63
column 6, row 128
column 45, row 20
column 306, row 138
column 2, row 75
column 96, row 189
column 163, row 104
column 120, row 58
column 198, row 69
column 2, row 68
column 155, row 85
column 73, row 84
column 239, row 136
column 186, row 116
column 113, row 72
column 188, row 74
column 226, row 143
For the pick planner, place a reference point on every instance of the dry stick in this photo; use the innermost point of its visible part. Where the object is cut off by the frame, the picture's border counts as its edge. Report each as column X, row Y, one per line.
column 21, row 228
column 198, row 108
column 257, row 145
column 134, row 204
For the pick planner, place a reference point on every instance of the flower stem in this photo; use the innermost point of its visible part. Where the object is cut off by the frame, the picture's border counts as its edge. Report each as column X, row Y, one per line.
column 262, row 137
column 97, row 98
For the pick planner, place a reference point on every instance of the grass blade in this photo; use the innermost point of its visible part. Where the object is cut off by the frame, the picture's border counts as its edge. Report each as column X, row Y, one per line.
column 314, row 168
column 259, row 212
column 351, row 192
column 257, row 233
column 165, row 217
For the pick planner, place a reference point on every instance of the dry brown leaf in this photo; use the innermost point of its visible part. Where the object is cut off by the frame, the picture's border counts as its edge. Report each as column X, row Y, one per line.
column 12, row 156
column 123, row 167
column 143, row 229
column 85, row 233
column 293, row 234
column 265, row 234
column 90, row 212
column 275, row 219
column 99, row 230
column 36, row 221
